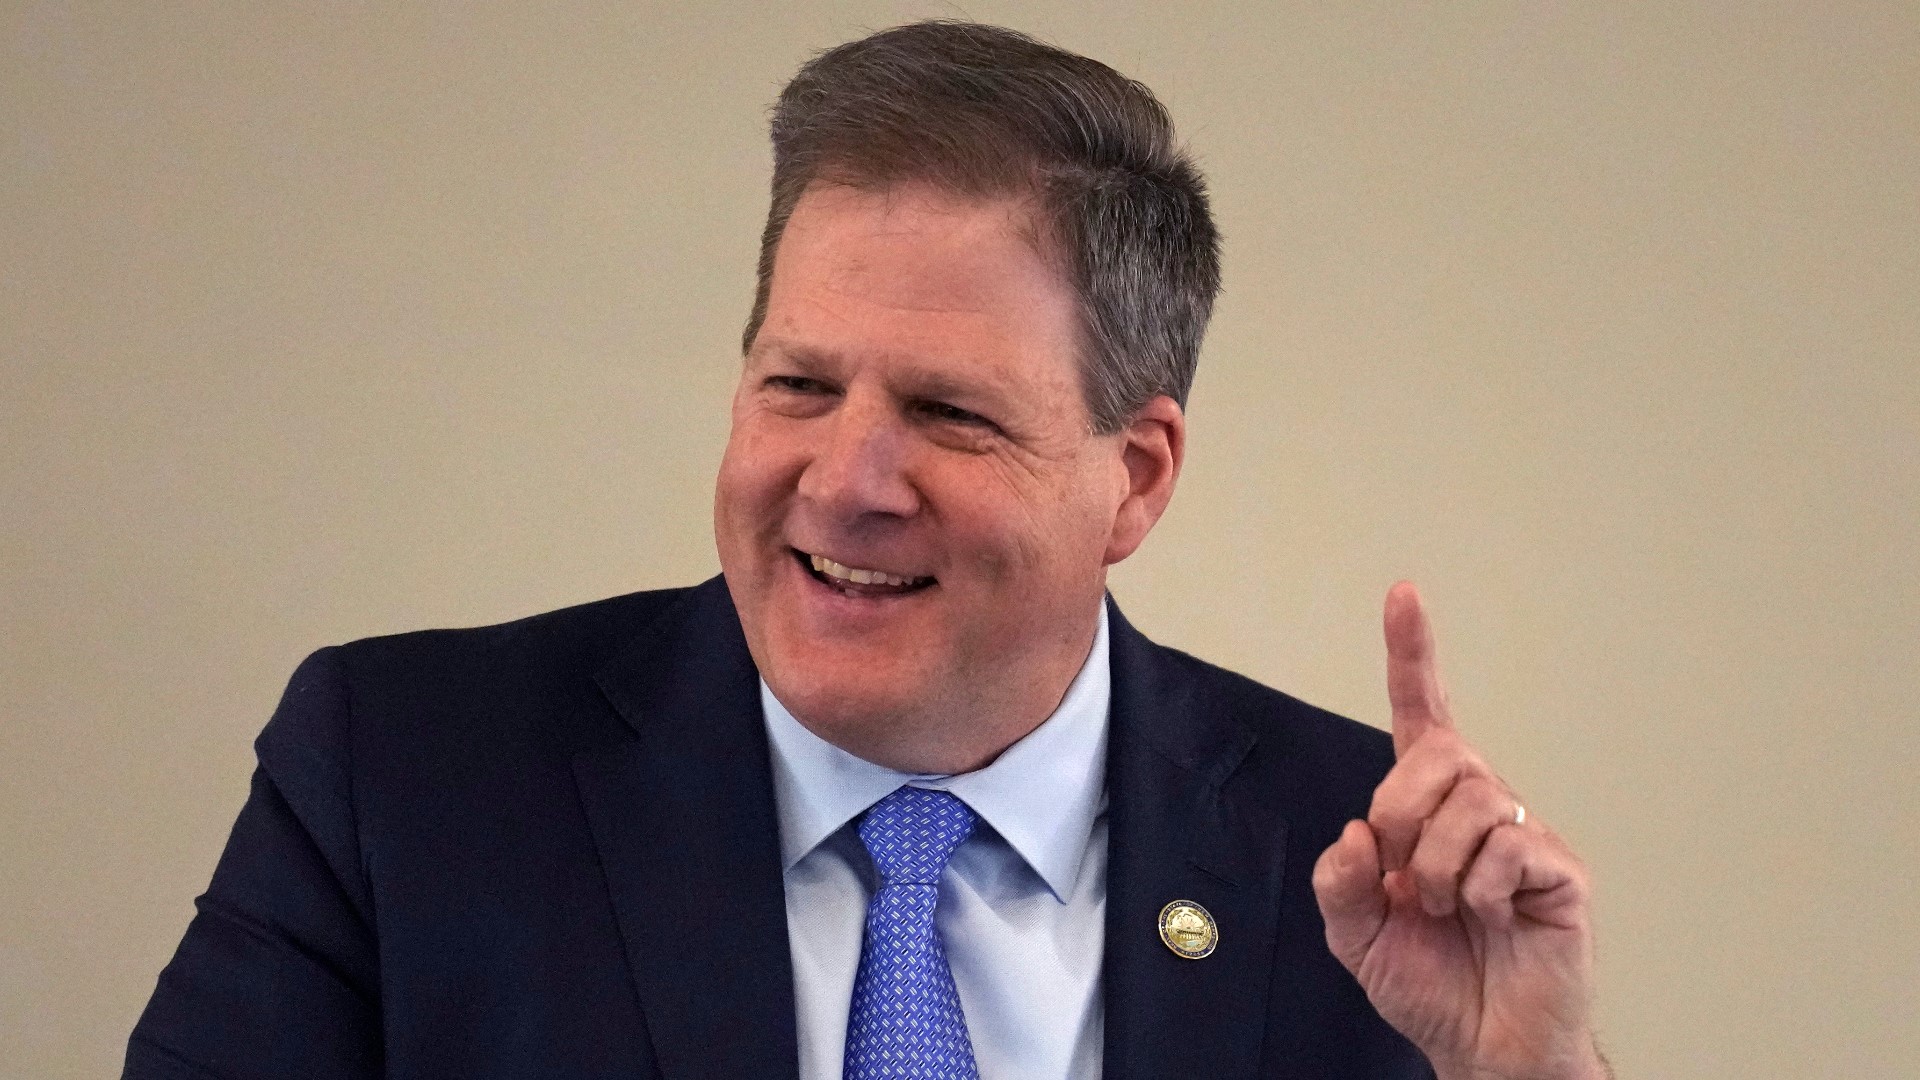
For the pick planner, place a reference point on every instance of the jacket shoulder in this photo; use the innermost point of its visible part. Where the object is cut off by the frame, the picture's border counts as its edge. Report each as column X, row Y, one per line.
column 578, row 634
column 1277, row 714
column 1300, row 746
column 428, row 699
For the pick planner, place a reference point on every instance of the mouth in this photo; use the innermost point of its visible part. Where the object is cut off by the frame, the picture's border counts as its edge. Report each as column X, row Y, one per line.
column 858, row 581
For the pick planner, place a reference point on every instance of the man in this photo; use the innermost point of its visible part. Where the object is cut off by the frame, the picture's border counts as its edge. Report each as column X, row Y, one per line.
column 901, row 794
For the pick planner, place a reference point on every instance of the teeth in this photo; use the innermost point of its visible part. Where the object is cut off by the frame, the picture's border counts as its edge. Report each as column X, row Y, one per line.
column 857, row 576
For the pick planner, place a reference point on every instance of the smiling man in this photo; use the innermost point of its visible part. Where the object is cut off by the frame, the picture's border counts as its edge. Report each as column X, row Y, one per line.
column 915, row 514
column 901, row 794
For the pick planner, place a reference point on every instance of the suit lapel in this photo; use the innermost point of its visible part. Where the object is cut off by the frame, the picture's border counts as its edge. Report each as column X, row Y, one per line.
column 1177, row 832
column 684, row 821
column 685, row 825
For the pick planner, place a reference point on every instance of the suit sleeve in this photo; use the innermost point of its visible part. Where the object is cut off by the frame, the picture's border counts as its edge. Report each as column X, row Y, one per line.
column 278, row 974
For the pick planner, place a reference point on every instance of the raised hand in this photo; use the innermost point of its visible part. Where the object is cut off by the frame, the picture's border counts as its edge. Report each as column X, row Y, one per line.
column 1465, row 919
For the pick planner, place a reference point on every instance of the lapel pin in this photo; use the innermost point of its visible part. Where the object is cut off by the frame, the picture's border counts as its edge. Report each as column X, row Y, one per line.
column 1188, row 930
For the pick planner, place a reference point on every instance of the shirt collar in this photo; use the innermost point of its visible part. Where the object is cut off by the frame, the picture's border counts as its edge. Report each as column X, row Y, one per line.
column 1042, row 794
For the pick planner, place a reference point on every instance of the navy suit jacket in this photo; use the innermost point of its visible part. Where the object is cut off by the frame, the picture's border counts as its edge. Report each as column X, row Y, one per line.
column 549, row 849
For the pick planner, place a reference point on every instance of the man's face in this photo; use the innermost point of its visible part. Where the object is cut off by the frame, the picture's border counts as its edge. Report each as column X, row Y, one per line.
column 913, row 518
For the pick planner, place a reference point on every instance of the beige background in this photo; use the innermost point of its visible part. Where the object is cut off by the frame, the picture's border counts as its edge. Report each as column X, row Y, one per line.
column 1600, row 320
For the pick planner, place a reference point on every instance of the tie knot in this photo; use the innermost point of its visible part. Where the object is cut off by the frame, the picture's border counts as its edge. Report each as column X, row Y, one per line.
column 913, row 832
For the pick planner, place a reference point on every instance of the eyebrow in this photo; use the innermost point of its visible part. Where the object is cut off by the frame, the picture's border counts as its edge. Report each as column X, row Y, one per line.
column 920, row 382
column 776, row 349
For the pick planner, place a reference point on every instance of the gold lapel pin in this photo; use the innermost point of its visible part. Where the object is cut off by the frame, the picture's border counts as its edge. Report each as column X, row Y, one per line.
column 1188, row 930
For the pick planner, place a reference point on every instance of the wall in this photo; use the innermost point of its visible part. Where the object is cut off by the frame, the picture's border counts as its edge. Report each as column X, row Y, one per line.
column 321, row 321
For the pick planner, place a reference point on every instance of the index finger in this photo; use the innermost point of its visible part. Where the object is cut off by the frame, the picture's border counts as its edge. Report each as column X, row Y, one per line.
column 1413, row 681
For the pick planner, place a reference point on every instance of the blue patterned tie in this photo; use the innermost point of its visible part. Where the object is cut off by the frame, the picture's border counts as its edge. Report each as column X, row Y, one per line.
column 905, row 1022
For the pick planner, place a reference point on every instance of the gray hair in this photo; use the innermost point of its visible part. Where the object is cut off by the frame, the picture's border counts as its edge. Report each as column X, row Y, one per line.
column 984, row 111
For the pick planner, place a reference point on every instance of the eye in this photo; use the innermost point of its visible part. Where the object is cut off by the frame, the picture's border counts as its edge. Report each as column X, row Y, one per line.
column 944, row 413
column 796, row 384
column 798, row 396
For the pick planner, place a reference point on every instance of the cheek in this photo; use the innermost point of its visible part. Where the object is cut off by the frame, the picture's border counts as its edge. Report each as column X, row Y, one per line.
column 1038, row 534
column 748, row 493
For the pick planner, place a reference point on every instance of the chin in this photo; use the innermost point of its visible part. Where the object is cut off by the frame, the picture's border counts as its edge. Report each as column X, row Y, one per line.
column 846, row 681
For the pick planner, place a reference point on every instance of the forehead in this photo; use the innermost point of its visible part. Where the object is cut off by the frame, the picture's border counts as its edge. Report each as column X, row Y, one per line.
column 911, row 272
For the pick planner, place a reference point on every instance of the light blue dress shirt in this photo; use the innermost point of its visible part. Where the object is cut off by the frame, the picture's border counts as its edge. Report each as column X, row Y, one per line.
column 1022, row 902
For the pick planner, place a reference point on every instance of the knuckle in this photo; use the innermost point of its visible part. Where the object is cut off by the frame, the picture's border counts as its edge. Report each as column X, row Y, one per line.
column 1506, row 844
column 1472, row 764
column 1433, row 867
column 1487, row 796
column 1387, row 808
column 1581, row 885
column 1479, row 894
column 1391, row 822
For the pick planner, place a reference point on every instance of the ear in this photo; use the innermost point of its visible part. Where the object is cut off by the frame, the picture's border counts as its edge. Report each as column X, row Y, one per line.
column 1152, row 448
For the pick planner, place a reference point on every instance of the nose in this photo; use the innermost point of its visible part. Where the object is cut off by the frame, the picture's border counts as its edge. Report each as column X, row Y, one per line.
column 859, row 468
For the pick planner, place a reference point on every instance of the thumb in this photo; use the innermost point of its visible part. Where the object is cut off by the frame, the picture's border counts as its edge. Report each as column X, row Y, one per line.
column 1352, row 897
